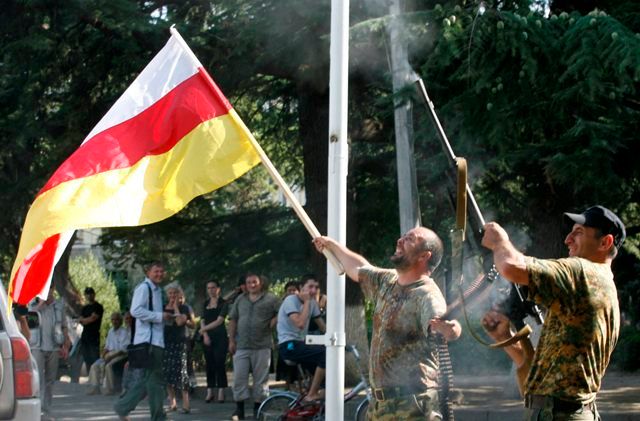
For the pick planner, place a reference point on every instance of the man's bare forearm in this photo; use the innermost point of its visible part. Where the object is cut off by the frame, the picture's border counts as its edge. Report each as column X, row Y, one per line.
column 232, row 329
column 350, row 260
column 509, row 261
column 511, row 264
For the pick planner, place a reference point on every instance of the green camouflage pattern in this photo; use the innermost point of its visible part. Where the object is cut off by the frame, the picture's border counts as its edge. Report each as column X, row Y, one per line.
column 403, row 352
column 580, row 331
column 422, row 407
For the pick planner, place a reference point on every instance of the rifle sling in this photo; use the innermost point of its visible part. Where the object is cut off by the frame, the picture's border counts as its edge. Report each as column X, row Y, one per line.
column 521, row 334
column 461, row 196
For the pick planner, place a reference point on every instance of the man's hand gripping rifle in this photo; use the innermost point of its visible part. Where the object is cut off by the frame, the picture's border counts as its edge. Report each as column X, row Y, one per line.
column 519, row 307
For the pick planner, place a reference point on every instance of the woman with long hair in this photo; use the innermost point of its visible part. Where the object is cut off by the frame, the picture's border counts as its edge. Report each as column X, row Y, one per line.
column 215, row 341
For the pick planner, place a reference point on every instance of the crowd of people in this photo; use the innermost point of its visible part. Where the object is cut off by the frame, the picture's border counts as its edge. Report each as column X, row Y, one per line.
column 239, row 326
column 561, row 377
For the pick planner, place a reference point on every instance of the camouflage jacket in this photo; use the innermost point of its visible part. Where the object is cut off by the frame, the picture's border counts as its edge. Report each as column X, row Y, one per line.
column 581, row 328
column 403, row 352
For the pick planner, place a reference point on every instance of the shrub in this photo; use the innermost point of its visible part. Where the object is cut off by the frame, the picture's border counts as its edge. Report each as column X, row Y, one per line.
column 86, row 271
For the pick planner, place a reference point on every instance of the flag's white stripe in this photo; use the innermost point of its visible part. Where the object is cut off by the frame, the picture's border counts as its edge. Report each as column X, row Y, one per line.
column 171, row 66
column 175, row 34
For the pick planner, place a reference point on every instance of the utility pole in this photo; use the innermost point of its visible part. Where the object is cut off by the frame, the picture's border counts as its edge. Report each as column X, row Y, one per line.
column 408, row 200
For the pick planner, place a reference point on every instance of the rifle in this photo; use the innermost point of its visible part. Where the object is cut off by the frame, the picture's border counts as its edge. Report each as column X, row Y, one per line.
column 520, row 307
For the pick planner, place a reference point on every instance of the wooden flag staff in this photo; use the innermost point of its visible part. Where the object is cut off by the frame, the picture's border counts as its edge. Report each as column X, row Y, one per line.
column 298, row 209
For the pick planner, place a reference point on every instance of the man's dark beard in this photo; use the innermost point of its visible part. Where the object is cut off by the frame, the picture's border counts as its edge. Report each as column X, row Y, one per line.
column 399, row 261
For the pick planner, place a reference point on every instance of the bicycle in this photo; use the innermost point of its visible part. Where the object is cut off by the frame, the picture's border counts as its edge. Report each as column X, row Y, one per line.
column 290, row 406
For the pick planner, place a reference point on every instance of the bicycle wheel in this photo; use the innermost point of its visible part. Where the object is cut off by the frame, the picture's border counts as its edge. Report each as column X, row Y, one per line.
column 361, row 411
column 274, row 407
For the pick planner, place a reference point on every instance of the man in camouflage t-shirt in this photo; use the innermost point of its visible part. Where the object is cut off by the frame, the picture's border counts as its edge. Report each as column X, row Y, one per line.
column 407, row 303
column 583, row 318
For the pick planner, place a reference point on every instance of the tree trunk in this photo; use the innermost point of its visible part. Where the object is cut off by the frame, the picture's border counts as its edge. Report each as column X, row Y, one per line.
column 408, row 203
column 313, row 111
column 314, row 132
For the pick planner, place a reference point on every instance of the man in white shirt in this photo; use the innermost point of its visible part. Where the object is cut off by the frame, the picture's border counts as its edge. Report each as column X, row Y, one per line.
column 147, row 308
column 49, row 343
column 113, row 354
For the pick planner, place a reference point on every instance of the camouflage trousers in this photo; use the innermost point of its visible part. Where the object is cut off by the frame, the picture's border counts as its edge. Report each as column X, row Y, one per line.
column 423, row 407
column 547, row 413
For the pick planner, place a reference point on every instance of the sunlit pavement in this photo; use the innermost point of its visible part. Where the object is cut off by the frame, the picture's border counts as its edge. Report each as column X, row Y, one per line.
column 480, row 398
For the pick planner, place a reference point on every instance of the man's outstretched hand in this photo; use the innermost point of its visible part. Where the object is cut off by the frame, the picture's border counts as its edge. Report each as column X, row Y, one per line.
column 497, row 325
column 449, row 329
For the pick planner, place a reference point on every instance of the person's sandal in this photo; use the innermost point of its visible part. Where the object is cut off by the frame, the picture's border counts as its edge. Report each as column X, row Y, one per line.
column 185, row 411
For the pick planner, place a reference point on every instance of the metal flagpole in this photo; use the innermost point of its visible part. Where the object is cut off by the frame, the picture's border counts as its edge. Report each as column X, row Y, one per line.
column 336, row 203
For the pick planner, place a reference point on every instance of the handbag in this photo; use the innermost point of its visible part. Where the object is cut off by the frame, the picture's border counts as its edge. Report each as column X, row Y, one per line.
column 139, row 354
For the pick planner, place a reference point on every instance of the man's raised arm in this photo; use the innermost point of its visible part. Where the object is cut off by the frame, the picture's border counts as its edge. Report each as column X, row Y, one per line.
column 350, row 260
column 509, row 261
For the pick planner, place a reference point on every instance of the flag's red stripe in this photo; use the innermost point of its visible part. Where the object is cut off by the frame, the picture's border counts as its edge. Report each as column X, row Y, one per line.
column 37, row 268
column 152, row 132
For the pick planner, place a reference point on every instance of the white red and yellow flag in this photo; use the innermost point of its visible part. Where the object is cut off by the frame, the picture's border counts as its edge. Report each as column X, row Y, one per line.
column 170, row 137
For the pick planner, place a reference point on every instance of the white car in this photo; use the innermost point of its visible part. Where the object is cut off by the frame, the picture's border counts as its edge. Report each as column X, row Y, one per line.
column 19, row 383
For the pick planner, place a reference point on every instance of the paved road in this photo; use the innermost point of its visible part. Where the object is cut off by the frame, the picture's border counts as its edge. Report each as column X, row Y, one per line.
column 481, row 398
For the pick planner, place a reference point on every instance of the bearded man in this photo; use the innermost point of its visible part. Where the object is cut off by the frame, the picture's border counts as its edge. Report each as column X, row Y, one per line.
column 407, row 305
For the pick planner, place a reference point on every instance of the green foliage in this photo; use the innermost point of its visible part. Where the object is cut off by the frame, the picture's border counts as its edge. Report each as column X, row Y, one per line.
column 86, row 271
column 542, row 106
column 64, row 64
column 545, row 110
column 625, row 356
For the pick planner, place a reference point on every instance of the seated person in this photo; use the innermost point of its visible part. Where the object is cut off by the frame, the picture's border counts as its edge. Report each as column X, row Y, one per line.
column 293, row 323
column 113, row 357
column 284, row 371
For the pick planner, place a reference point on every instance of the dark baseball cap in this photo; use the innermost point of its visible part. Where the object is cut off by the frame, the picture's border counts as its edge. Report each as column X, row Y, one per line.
column 601, row 218
column 89, row 290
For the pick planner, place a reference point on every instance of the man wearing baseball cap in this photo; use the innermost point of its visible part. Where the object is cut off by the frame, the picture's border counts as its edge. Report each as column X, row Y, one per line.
column 583, row 317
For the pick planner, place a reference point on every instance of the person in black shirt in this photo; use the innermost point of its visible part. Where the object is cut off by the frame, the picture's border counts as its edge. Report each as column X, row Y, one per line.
column 215, row 341
column 91, row 319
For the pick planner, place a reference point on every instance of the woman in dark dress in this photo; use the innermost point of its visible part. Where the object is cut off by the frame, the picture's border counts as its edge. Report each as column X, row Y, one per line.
column 215, row 340
column 175, row 349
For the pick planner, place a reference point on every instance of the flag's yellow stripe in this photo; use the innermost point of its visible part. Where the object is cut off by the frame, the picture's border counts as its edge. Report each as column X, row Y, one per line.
column 212, row 155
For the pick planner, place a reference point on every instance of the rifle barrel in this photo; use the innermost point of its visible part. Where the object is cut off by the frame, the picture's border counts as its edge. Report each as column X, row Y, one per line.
column 446, row 146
